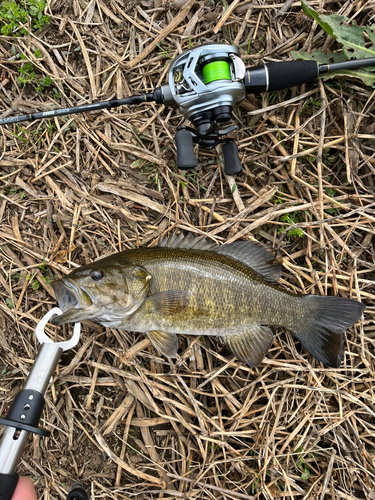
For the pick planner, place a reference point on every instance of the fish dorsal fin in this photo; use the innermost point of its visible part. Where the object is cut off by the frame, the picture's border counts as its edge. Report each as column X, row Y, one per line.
column 251, row 253
column 188, row 242
column 166, row 343
column 251, row 345
column 254, row 255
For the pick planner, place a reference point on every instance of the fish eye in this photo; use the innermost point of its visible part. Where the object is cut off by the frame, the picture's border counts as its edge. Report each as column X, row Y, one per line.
column 96, row 275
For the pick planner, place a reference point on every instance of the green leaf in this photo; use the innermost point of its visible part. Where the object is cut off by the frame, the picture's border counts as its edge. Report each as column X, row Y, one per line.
column 9, row 303
column 331, row 192
column 234, row 187
column 306, row 474
column 351, row 36
column 309, row 11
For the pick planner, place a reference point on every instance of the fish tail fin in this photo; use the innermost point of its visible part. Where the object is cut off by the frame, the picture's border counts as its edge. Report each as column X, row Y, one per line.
column 323, row 336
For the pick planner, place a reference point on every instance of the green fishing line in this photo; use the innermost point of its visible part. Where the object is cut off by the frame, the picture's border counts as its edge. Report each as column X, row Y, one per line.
column 216, row 70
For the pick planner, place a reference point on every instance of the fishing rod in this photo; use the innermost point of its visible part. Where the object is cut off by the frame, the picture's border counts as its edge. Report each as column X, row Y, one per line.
column 26, row 409
column 205, row 83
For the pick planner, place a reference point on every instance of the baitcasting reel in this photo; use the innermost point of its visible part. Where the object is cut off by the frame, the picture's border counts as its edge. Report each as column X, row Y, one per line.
column 205, row 83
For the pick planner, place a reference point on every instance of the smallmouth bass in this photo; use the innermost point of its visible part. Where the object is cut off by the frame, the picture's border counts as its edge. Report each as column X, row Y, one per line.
column 190, row 286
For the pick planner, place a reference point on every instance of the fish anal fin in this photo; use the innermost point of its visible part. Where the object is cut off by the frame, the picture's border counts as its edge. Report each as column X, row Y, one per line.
column 170, row 301
column 250, row 345
column 255, row 255
column 166, row 343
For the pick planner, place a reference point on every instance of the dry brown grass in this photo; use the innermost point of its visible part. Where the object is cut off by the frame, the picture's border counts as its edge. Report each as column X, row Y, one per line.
column 124, row 420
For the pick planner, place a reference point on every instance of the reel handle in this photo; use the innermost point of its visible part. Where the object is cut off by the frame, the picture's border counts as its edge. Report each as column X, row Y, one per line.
column 232, row 164
column 185, row 150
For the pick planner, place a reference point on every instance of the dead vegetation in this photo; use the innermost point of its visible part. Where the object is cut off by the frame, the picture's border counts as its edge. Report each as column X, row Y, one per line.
column 123, row 420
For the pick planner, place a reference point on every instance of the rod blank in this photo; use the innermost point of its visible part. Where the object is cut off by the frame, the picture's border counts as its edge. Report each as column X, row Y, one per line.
column 354, row 64
column 115, row 103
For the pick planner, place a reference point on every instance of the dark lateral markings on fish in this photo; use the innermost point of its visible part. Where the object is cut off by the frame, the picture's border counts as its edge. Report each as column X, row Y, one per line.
column 187, row 285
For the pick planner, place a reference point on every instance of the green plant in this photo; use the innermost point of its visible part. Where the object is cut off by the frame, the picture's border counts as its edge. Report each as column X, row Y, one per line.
column 254, row 485
column 311, row 101
column 334, row 210
column 9, row 189
column 28, row 75
column 49, row 126
column 353, row 38
column 14, row 15
column 302, row 465
column 9, row 303
column 276, row 200
column 44, row 83
column 35, row 285
column 36, row 12
column 291, row 219
column 331, row 192
column 44, row 271
column 167, row 53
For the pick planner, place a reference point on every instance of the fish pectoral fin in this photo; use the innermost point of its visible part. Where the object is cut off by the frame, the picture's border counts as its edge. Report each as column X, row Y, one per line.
column 251, row 345
column 170, row 301
column 166, row 343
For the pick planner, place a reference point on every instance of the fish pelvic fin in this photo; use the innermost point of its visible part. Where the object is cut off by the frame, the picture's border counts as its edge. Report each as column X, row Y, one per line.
column 323, row 336
column 251, row 345
column 166, row 343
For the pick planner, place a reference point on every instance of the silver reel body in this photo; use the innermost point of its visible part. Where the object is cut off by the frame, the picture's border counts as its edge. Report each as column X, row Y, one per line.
column 187, row 89
column 205, row 83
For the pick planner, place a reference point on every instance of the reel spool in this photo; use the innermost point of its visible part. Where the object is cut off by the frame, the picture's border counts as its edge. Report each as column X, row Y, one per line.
column 215, row 70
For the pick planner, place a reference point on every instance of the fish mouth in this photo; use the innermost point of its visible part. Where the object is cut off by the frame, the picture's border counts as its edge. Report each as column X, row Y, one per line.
column 73, row 301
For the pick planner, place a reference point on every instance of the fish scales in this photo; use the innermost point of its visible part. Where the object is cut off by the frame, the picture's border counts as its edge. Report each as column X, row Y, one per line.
column 189, row 286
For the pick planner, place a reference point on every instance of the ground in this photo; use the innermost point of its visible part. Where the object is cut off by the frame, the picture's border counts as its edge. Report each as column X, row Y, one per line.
column 124, row 420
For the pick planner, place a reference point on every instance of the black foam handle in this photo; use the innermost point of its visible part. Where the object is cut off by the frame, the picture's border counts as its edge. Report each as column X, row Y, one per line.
column 8, row 483
column 185, row 150
column 287, row 74
column 232, row 164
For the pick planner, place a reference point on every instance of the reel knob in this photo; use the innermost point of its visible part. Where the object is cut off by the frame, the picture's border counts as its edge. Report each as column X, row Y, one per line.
column 77, row 492
column 185, row 149
column 232, row 164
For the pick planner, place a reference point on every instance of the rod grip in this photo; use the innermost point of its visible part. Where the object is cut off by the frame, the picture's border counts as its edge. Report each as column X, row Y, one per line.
column 185, row 150
column 8, row 483
column 287, row 74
